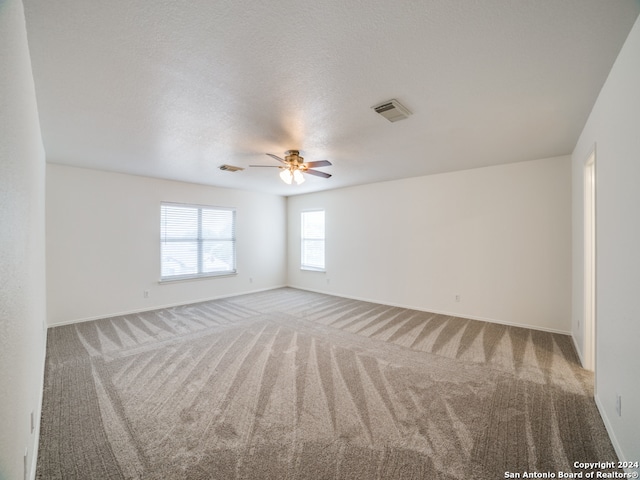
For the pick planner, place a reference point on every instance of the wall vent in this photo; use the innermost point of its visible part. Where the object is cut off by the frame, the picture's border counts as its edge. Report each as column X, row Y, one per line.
column 230, row 168
column 392, row 110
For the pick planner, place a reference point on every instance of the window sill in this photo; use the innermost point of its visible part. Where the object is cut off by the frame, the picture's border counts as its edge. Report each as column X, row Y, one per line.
column 312, row 269
column 183, row 278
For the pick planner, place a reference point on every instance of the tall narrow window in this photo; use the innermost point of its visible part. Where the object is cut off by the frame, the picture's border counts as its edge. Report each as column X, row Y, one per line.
column 196, row 241
column 312, row 246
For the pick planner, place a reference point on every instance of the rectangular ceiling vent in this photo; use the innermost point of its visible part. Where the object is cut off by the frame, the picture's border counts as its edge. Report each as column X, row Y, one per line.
column 230, row 168
column 392, row 110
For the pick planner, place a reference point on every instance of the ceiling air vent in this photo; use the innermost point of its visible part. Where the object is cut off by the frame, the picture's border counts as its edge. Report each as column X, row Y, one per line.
column 392, row 110
column 230, row 168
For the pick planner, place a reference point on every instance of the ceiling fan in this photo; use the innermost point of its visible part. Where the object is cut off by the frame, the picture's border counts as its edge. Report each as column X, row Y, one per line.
column 293, row 166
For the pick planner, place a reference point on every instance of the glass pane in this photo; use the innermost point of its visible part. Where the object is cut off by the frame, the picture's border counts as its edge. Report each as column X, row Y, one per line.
column 217, row 224
column 313, row 224
column 179, row 222
column 313, row 253
column 312, row 239
column 179, row 258
column 218, row 256
column 196, row 240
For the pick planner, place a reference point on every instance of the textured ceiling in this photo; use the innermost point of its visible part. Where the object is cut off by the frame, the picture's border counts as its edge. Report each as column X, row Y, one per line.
column 173, row 89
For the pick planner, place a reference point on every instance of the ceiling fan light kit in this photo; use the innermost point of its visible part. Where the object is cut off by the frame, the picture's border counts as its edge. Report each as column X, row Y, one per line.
column 288, row 177
column 294, row 166
column 297, row 176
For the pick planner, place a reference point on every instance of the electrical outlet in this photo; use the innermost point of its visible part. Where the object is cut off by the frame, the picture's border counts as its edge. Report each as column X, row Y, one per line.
column 250, row 279
column 25, row 464
column 33, row 422
column 146, row 294
column 458, row 298
column 619, row 404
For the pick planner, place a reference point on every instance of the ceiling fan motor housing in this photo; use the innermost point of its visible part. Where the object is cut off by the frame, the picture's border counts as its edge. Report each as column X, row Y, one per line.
column 293, row 157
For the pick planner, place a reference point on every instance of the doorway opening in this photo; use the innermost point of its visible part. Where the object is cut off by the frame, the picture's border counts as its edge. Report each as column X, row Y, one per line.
column 590, row 262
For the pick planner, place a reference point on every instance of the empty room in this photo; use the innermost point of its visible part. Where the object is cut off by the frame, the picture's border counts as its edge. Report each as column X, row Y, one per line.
column 319, row 240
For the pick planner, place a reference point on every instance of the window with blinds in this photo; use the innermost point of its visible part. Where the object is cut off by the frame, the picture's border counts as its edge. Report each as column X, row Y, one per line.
column 312, row 247
column 196, row 241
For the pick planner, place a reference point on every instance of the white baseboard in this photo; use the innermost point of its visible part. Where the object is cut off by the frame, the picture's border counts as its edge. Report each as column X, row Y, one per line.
column 38, row 413
column 159, row 307
column 612, row 437
column 439, row 312
column 578, row 351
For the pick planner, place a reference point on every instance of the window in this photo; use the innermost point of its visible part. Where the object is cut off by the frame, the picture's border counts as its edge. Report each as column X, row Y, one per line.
column 312, row 246
column 196, row 241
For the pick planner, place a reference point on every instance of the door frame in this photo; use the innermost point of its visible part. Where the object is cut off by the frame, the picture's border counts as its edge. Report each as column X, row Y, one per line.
column 590, row 273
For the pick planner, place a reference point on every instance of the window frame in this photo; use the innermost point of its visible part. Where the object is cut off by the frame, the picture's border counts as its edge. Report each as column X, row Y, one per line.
column 199, row 240
column 303, row 239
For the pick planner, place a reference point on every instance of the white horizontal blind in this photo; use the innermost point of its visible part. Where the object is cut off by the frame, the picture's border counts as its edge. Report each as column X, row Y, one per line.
column 312, row 247
column 196, row 241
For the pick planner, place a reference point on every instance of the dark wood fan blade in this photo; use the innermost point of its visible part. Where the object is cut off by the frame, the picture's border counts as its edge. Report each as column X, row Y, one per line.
column 318, row 163
column 317, row 173
column 276, row 157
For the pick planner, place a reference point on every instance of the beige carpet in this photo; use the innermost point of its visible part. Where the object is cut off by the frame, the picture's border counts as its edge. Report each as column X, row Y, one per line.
column 288, row 384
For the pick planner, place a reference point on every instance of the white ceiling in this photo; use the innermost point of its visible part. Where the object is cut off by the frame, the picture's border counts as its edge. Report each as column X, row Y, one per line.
column 173, row 89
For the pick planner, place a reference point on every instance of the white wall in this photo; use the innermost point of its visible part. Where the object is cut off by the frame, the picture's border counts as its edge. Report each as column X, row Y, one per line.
column 22, row 264
column 614, row 127
column 103, row 250
column 500, row 237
